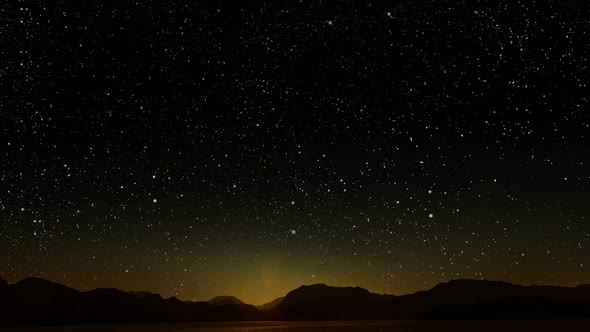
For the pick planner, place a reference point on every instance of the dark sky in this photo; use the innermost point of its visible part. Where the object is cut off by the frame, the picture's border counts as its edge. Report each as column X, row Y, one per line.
column 199, row 148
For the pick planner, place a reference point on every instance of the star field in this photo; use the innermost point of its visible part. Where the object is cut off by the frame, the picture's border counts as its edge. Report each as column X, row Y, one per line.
column 198, row 148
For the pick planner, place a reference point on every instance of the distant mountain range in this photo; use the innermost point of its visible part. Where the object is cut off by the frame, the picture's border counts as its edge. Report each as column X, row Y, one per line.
column 39, row 301
column 456, row 299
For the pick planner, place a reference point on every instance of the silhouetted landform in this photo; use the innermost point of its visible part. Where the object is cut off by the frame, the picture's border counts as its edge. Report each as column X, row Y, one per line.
column 39, row 301
column 225, row 300
column 512, row 308
column 144, row 294
column 271, row 304
column 457, row 299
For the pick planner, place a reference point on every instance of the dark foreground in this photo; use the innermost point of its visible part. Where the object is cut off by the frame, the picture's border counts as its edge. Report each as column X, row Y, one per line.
column 333, row 326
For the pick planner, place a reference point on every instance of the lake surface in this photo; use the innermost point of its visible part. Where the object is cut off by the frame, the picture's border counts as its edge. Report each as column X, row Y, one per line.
column 332, row 326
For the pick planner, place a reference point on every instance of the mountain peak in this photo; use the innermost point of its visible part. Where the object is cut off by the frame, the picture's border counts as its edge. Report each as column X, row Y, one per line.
column 38, row 284
column 148, row 296
column 173, row 299
column 312, row 286
column 35, row 281
column 322, row 286
column 471, row 283
column 321, row 293
column 224, row 300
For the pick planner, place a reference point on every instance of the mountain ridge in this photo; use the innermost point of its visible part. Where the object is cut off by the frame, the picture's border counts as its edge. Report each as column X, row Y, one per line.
column 40, row 301
column 271, row 304
column 225, row 300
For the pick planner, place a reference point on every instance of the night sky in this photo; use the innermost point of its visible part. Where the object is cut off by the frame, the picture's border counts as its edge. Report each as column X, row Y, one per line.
column 203, row 148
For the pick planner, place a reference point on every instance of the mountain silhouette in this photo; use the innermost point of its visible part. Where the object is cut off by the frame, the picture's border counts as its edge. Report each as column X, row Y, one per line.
column 271, row 304
column 321, row 302
column 146, row 295
column 495, row 299
column 224, row 300
column 39, row 301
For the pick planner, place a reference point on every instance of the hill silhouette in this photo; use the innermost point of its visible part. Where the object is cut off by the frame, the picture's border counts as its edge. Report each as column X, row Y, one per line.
column 225, row 300
column 456, row 298
column 271, row 304
column 321, row 302
column 39, row 301
column 145, row 295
